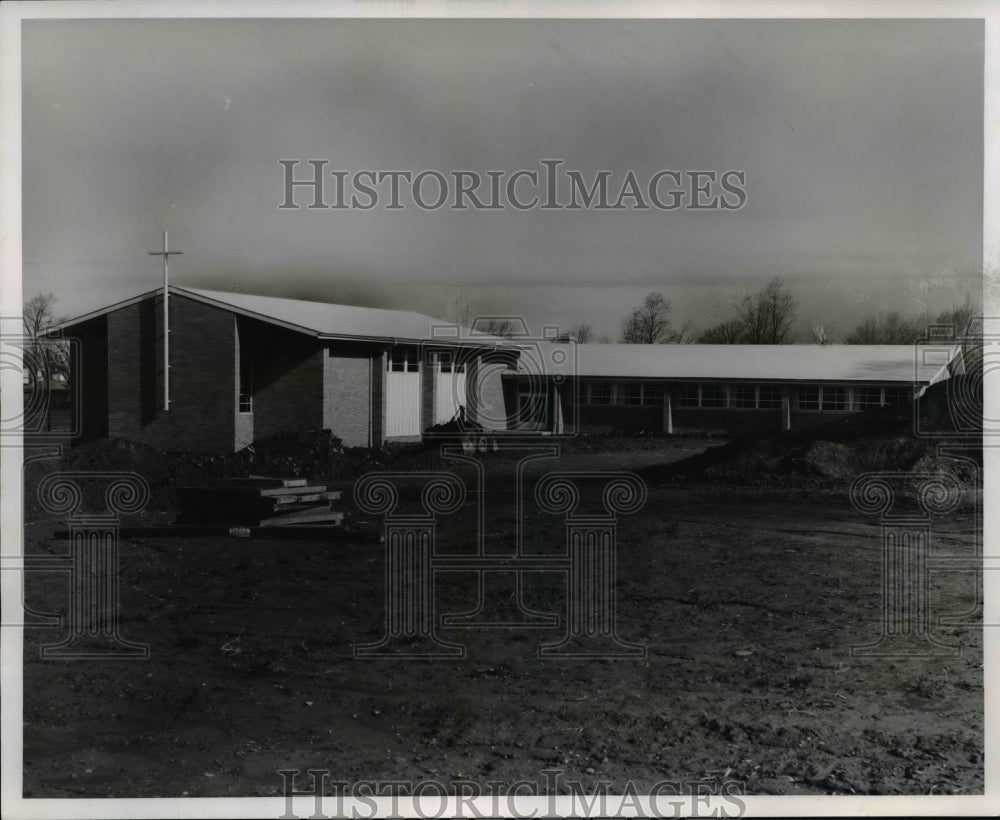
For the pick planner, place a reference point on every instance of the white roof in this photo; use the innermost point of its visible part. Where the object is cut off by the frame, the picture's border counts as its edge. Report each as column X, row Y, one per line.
column 322, row 319
column 339, row 321
column 773, row 363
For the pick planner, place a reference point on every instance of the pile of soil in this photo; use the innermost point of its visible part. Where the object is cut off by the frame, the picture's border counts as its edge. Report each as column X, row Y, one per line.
column 901, row 437
column 317, row 455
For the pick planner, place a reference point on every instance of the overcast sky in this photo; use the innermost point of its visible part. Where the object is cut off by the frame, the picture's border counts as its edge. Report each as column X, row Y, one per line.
column 861, row 142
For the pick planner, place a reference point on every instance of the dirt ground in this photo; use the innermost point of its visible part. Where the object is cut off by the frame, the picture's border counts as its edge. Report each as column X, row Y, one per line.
column 747, row 600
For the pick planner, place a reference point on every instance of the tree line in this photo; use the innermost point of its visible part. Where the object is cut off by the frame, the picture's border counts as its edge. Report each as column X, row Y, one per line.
column 764, row 317
column 767, row 316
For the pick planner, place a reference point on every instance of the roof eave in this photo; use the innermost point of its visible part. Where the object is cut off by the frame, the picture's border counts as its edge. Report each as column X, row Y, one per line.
column 94, row 314
column 445, row 342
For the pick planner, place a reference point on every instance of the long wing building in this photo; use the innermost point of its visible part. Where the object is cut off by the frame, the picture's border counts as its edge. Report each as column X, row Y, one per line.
column 241, row 368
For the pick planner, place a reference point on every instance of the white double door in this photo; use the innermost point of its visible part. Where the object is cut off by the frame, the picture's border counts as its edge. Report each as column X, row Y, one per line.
column 403, row 399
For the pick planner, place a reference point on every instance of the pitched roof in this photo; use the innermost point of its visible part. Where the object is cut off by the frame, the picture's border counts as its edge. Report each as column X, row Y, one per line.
column 321, row 319
column 773, row 363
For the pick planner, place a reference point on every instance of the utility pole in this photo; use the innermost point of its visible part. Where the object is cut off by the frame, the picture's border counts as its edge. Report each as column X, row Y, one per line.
column 166, row 254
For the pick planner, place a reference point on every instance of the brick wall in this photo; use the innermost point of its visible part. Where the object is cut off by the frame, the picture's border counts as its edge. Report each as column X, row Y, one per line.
column 125, row 383
column 202, row 376
column 597, row 418
column 378, row 377
column 347, row 393
column 295, row 385
column 287, row 380
column 89, row 366
column 806, row 420
column 735, row 422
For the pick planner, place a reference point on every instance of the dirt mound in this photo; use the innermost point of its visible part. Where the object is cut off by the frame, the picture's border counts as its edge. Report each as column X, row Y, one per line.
column 901, row 437
column 828, row 459
column 316, row 455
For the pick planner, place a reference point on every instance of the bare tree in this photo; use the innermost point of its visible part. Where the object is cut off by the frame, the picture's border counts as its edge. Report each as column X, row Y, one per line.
column 461, row 310
column 729, row 332
column 43, row 356
column 582, row 333
column 686, row 334
column 497, row 327
column 44, row 360
column 762, row 318
column 893, row 328
column 887, row 328
column 650, row 324
column 767, row 315
column 822, row 334
column 962, row 318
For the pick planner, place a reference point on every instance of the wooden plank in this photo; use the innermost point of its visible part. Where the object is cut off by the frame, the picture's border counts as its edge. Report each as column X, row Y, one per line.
column 321, row 515
column 285, row 482
column 263, row 482
column 304, row 488
column 281, row 500
column 219, row 489
column 251, row 492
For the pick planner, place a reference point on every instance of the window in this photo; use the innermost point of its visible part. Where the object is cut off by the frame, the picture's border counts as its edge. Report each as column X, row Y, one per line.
column 898, row 395
column 867, row 397
column 602, row 393
column 688, row 395
column 403, row 361
column 769, row 397
column 713, row 395
column 447, row 362
column 835, row 398
column 809, row 398
column 744, row 396
column 652, row 394
column 827, row 397
column 630, row 393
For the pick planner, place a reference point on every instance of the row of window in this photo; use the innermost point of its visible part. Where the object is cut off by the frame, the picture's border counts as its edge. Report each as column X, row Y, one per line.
column 408, row 361
column 744, row 396
column 831, row 397
column 634, row 393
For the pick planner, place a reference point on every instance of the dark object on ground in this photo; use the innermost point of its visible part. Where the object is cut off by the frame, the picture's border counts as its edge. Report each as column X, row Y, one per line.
column 255, row 503
column 459, row 430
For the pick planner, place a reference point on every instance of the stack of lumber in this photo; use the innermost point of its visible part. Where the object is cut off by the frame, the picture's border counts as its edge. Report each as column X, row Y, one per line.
column 260, row 501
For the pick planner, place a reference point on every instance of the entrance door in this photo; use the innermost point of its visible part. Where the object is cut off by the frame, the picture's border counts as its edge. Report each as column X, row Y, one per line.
column 449, row 387
column 402, row 394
